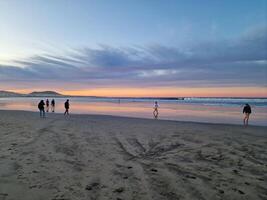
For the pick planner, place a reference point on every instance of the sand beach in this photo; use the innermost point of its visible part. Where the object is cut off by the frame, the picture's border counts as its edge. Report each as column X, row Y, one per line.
column 118, row 158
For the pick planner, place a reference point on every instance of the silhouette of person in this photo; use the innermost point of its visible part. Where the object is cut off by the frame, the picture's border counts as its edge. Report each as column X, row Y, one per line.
column 47, row 105
column 247, row 112
column 156, row 112
column 53, row 104
column 67, row 106
column 41, row 108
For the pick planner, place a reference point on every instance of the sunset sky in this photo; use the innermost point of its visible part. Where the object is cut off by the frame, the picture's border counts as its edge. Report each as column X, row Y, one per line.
column 137, row 48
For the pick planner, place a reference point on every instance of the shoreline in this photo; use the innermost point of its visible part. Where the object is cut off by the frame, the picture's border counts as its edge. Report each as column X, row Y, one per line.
column 117, row 97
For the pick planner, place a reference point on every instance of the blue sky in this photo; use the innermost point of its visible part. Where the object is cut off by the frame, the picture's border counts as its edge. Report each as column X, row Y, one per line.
column 167, row 43
column 89, row 23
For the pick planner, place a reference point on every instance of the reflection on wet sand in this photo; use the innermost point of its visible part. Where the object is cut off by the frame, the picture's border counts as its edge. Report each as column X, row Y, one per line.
column 167, row 110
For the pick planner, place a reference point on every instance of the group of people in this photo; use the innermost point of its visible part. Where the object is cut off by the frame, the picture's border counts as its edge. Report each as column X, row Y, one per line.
column 53, row 104
column 42, row 106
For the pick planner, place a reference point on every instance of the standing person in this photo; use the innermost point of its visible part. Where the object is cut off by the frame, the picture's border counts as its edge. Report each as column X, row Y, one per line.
column 67, row 106
column 247, row 112
column 53, row 104
column 47, row 105
column 41, row 108
column 156, row 112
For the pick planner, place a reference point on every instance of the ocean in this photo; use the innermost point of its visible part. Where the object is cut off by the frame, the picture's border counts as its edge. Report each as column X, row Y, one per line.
column 212, row 110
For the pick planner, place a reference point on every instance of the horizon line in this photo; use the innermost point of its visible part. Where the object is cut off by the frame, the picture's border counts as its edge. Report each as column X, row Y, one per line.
column 128, row 97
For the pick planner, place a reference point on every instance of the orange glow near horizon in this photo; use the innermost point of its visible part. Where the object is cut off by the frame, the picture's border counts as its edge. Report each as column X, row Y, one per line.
column 163, row 92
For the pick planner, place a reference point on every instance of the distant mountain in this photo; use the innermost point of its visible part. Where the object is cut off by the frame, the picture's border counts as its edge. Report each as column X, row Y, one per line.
column 9, row 94
column 44, row 94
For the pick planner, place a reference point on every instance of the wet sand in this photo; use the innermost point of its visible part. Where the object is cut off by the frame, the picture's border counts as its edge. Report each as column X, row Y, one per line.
column 178, row 111
column 105, row 157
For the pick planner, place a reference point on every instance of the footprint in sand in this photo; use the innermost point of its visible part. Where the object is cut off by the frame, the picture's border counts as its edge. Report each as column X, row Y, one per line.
column 92, row 186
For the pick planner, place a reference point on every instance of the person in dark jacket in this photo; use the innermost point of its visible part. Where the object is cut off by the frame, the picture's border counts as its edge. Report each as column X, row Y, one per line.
column 41, row 108
column 47, row 105
column 247, row 112
column 67, row 106
column 53, row 104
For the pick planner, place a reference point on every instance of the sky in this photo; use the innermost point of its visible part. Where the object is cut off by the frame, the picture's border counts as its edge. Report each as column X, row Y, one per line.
column 171, row 48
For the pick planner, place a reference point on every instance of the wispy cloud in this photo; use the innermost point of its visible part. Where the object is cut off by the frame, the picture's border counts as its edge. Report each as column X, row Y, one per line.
column 235, row 62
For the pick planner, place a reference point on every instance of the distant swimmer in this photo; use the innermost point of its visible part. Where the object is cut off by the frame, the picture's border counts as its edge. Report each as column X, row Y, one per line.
column 53, row 104
column 47, row 105
column 67, row 106
column 156, row 112
column 41, row 108
column 247, row 112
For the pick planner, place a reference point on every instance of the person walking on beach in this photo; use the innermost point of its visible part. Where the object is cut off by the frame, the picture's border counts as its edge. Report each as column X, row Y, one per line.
column 41, row 108
column 67, row 106
column 156, row 112
column 53, row 104
column 247, row 112
column 47, row 105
